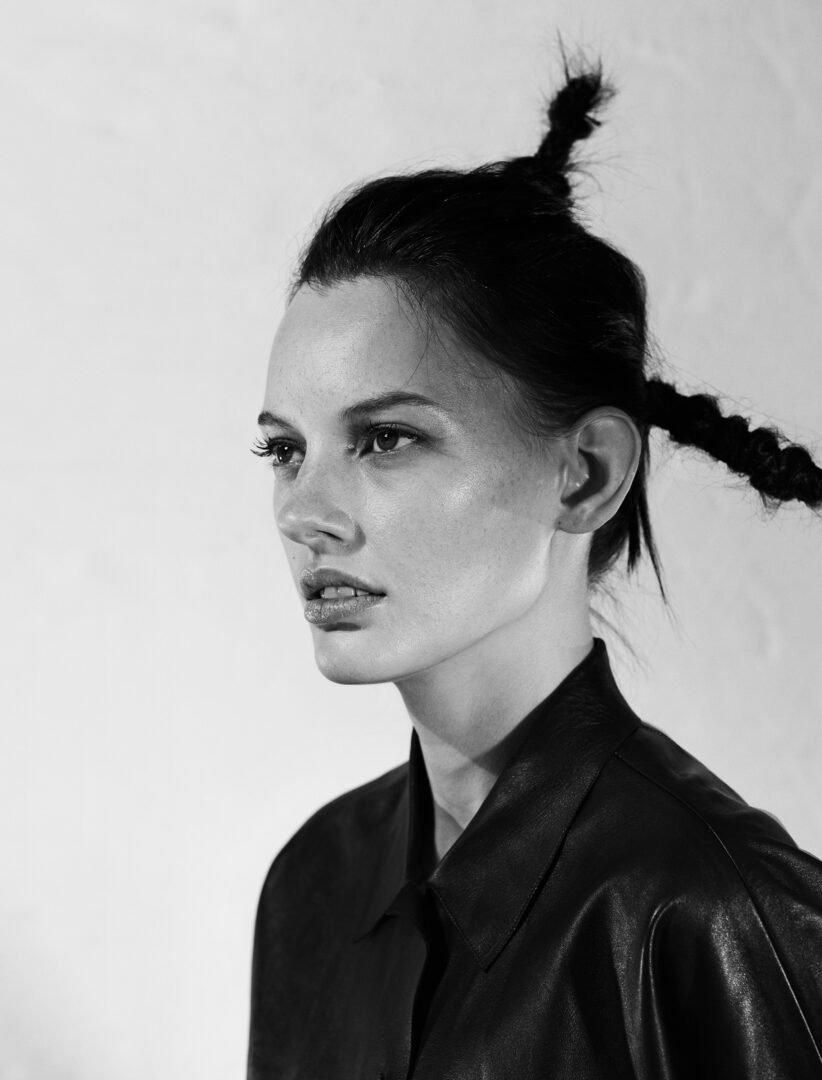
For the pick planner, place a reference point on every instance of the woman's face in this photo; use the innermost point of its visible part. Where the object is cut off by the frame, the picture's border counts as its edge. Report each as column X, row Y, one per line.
column 450, row 516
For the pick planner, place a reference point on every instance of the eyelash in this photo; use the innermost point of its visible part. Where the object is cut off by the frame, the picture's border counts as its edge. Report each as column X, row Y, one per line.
column 267, row 447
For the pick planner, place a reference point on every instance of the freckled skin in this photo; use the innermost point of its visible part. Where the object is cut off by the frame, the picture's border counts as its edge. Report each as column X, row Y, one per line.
column 486, row 604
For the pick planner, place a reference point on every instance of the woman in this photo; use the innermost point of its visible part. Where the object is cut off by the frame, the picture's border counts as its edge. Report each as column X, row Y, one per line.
column 457, row 413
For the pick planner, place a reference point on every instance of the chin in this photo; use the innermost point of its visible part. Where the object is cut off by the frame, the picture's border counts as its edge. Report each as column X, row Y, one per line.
column 344, row 656
column 344, row 665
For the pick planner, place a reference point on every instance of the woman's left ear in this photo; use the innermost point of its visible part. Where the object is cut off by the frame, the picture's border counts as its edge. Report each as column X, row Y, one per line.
column 603, row 455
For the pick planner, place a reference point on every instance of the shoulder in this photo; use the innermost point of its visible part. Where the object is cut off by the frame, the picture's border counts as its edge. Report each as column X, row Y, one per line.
column 727, row 897
column 681, row 792
column 728, row 909
column 697, row 839
column 334, row 835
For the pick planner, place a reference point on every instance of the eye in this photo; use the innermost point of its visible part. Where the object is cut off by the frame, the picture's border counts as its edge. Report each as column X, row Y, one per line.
column 377, row 435
column 392, row 431
column 273, row 448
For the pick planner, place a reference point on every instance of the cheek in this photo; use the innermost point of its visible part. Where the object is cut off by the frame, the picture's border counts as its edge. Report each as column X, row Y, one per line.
column 473, row 534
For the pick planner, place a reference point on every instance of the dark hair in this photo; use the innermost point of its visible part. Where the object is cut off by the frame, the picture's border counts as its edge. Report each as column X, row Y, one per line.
column 497, row 255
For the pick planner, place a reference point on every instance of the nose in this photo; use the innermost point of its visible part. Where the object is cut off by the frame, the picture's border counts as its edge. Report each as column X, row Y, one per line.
column 311, row 508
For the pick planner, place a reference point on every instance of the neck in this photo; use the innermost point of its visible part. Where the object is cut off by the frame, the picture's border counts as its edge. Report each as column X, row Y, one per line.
column 467, row 711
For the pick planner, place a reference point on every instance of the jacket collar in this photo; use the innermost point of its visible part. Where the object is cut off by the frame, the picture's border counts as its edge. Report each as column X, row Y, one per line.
column 490, row 873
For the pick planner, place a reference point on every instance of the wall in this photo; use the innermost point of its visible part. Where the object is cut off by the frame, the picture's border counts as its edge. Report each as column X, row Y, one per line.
column 164, row 728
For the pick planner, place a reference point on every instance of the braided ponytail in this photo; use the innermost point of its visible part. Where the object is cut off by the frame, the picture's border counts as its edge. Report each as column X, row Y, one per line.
column 779, row 473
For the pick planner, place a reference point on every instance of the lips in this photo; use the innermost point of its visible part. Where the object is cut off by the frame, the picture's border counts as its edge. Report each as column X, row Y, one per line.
column 313, row 581
column 335, row 608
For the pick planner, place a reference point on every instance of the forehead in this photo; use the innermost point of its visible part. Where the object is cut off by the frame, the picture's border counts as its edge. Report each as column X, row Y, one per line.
column 361, row 338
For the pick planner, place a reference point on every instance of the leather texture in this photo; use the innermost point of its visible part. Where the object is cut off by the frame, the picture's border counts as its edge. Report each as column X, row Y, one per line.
column 613, row 910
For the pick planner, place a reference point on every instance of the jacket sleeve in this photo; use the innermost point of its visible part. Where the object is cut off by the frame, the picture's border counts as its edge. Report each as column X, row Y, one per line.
column 736, row 971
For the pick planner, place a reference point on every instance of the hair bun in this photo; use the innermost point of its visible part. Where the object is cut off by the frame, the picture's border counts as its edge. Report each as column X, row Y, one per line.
column 571, row 117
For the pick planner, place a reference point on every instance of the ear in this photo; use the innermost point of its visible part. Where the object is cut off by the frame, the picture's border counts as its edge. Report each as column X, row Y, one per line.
column 603, row 455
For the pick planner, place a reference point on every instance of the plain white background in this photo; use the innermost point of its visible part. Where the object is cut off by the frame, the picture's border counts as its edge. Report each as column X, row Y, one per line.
column 164, row 728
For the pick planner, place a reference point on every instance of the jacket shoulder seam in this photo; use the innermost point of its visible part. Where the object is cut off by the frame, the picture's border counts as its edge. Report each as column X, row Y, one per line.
column 754, row 905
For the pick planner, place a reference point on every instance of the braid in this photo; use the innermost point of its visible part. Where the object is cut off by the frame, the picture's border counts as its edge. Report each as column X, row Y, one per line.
column 570, row 118
column 775, row 471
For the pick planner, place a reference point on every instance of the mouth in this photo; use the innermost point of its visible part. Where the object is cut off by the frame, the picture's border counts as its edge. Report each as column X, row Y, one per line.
column 333, row 592
column 328, row 583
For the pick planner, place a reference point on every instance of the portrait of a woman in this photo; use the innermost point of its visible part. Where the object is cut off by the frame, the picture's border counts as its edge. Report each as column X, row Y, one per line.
column 457, row 414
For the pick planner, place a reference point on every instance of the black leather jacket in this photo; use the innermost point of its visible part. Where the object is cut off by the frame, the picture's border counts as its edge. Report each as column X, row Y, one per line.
column 613, row 910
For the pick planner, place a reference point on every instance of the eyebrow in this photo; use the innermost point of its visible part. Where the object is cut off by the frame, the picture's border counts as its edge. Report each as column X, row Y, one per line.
column 362, row 408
